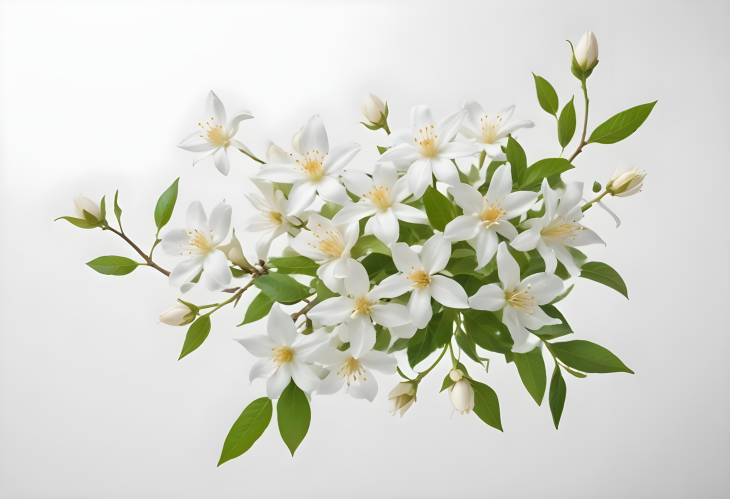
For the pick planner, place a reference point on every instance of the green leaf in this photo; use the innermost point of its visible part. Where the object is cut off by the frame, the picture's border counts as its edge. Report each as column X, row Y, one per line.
column 467, row 345
column 165, row 205
column 249, row 426
column 558, row 391
column 546, row 95
column 621, row 125
column 382, row 339
column 281, row 288
column 258, row 309
column 293, row 416
column 117, row 208
column 102, row 208
column 517, row 159
column 442, row 327
column 487, row 331
column 80, row 222
column 588, row 357
column 113, row 265
column 323, row 292
column 196, row 335
column 368, row 244
column 486, row 405
column 420, row 346
column 604, row 274
column 544, row 168
column 566, row 124
column 439, row 209
column 294, row 265
column 554, row 330
column 531, row 368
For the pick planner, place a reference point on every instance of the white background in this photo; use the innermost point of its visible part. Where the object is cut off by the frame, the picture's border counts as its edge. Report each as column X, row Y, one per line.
column 94, row 96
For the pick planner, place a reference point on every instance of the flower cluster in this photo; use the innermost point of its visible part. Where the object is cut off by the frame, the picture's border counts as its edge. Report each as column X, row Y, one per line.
column 450, row 247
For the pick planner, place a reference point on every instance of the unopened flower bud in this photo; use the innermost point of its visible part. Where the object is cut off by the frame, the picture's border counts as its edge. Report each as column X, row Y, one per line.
column 234, row 253
column 462, row 396
column 84, row 204
column 373, row 109
column 402, row 397
column 586, row 53
column 456, row 375
column 177, row 315
column 626, row 183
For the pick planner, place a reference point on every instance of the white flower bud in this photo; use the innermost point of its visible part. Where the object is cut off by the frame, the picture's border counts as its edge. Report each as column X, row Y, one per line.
column 234, row 252
column 626, row 183
column 586, row 52
column 456, row 375
column 84, row 204
column 373, row 109
column 462, row 396
column 402, row 397
column 177, row 315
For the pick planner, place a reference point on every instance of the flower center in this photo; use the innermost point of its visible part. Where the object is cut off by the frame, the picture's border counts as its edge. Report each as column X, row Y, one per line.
column 215, row 133
column 427, row 140
column 489, row 128
column 491, row 215
column 199, row 242
column 520, row 299
column 282, row 355
column 560, row 229
column 276, row 217
column 380, row 197
column 352, row 371
column 312, row 164
column 332, row 245
column 421, row 279
column 363, row 306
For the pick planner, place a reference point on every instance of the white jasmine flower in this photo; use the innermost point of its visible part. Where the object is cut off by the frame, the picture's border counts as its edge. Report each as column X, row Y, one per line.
column 312, row 168
column 586, row 51
column 420, row 275
column 519, row 300
column 381, row 199
column 352, row 370
column 402, row 397
column 359, row 309
column 284, row 354
column 462, row 396
column 216, row 134
column 486, row 216
column 272, row 217
column 428, row 150
column 202, row 244
column 490, row 131
column 329, row 245
column 558, row 229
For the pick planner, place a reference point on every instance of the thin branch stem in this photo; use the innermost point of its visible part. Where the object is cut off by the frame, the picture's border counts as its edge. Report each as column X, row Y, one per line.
column 583, row 142
column 593, row 201
column 148, row 260
column 253, row 156
column 423, row 374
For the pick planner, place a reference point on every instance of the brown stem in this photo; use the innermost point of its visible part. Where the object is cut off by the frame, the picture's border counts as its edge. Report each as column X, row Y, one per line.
column 139, row 251
column 304, row 310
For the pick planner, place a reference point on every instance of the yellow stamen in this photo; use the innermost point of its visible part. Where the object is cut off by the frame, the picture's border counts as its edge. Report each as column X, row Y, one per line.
column 421, row 279
column 380, row 197
column 427, row 140
column 276, row 217
column 215, row 133
column 352, row 370
column 312, row 164
column 199, row 242
column 491, row 215
column 362, row 306
column 332, row 246
column 490, row 128
column 560, row 229
column 282, row 355
column 520, row 299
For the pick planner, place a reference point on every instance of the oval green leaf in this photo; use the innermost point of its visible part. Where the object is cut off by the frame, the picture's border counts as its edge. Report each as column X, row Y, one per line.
column 258, row 309
column 546, row 95
column 439, row 209
column 544, row 168
column 293, row 416
column 196, row 335
column 113, row 265
column 621, row 125
column 588, row 357
column 558, row 390
column 605, row 274
column 166, row 205
column 566, row 124
column 281, row 288
column 531, row 368
column 486, row 405
column 294, row 265
column 249, row 426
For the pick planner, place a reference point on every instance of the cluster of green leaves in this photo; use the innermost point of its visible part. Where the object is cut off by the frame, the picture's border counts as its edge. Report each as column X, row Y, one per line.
column 293, row 416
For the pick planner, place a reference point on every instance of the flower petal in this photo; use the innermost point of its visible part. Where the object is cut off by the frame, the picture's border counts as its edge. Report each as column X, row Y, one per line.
column 468, row 198
column 419, row 306
column 421, row 117
column 435, row 254
column 379, row 361
column 406, row 260
column 331, row 190
column 390, row 314
column 258, row 345
column 409, row 214
column 500, row 185
column 489, row 297
column 314, row 137
column 448, row 292
column 445, row 171
column 517, row 203
column 220, row 222
column 220, row 158
column 216, row 272
column 507, row 268
column 301, row 196
column 450, row 127
column 280, row 326
column 385, row 227
column 419, row 177
column 261, row 369
column 215, row 108
column 175, row 241
column 304, row 377
column 486, row 247
column 284, row 173
column 462, row 228
column 366, row 389
column 185, row 271
column 278, row 381
column 339, row 157
column 195, row 142
column 391, row 286
column 527, row 240
column 196, row 218
column 357, row 281
column 332, row 311
column 362, row 335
